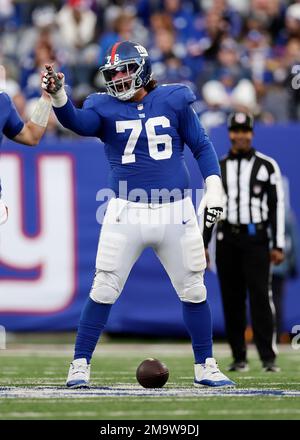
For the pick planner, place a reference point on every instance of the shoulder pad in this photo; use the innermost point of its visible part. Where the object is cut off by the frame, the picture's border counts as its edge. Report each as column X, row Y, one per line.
column 178, row 95
column 96, row 101
column 5, row 96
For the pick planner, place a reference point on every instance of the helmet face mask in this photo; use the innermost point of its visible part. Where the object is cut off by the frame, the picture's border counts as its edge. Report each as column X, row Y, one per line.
column 125, row 87
column 133, row 62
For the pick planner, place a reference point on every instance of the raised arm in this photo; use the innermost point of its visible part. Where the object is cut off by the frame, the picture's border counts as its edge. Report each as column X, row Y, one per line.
column 85, row 121
column 31, row 132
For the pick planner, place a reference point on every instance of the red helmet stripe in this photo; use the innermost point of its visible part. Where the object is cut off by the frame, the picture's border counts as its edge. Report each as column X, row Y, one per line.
column 113, row 52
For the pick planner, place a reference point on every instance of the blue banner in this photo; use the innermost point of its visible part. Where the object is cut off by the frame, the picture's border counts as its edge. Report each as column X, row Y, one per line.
column 49, row 244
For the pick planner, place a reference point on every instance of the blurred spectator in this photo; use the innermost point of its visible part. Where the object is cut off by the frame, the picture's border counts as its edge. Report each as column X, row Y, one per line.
column 206, row 43
column 216, row 105
column 226, row 67
column 6, row 10
column 233, row 18
column 161, row 21
column 232, row 78
column 291, row 58
column 77, row 22
column 35, row 62
column 292, row 21
column 124, row 26
column 266, row 15
column 256, row 56
column 43, row 26
column 247, row 46
column 166, row 55
column 182, row 18
column 77, row 28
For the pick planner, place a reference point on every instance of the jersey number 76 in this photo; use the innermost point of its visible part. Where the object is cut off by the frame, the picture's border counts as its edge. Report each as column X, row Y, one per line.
column 153, row 139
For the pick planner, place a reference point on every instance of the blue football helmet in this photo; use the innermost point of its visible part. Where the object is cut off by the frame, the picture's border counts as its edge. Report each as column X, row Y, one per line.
column 127, row 69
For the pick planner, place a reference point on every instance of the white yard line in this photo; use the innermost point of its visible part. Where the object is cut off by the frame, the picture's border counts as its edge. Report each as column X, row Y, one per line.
column 131, row 390
column 147, row 413
column 128, row 349
column 41, row 414
column 253, row 411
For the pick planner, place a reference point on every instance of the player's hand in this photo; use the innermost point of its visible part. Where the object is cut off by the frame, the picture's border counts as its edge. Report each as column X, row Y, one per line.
column 52, row 82
column 212, row 216
column 212, row 201
column 276, row 256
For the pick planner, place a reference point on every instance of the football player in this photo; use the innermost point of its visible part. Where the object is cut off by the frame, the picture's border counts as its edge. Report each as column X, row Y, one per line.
column 28, row 133
column 144, row 128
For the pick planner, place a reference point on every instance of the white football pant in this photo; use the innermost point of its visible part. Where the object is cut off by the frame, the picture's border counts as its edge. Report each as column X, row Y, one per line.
column 171, row 229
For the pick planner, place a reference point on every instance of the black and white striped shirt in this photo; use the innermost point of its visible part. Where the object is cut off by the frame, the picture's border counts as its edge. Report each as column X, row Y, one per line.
column 253, row 190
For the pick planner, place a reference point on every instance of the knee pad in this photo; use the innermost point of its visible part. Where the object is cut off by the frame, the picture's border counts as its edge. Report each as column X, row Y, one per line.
column 193, row 289
column 105, row 288
column 195, row 294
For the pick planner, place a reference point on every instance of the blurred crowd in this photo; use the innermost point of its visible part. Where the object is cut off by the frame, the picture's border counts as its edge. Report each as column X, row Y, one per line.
column 235, row 54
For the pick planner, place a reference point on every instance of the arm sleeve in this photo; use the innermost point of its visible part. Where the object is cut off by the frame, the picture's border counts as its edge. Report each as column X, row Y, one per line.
column 196, row 138
column 85, row 121
column 14, row 123
column 276, row 207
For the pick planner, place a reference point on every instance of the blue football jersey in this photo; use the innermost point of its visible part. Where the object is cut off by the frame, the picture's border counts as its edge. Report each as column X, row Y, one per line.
column 143, row 140
column 10, row 122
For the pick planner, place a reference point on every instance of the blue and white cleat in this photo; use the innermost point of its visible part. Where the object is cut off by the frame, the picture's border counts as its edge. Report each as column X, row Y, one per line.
column 209, row 375
column 79, row 374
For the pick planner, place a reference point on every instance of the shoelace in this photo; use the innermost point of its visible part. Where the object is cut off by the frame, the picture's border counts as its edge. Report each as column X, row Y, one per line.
column 79, row 371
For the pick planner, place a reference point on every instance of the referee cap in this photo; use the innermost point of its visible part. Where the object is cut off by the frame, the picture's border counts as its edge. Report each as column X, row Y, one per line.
column 240, row 120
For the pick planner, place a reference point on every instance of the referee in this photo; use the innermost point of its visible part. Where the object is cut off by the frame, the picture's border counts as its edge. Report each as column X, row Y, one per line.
column 249, row 238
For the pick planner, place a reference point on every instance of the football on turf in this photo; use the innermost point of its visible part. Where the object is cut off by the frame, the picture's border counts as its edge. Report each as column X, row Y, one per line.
column 152, row 373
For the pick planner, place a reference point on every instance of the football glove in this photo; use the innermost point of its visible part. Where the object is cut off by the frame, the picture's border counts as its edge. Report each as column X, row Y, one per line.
column 212, row 201
column 212, row 216
column 52, row 82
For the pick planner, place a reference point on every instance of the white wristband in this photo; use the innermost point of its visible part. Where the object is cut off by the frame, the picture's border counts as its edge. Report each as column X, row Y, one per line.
column 41, row 112
column 60, row 98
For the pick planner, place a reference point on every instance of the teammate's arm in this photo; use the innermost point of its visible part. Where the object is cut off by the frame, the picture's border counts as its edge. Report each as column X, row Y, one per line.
column 85, row 121
column 31, row 132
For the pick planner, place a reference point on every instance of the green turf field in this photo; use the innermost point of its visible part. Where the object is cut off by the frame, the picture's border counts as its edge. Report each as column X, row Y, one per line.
column 32, row 385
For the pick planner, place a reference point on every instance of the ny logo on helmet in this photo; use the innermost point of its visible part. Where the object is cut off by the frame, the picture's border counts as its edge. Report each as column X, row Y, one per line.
column 141, row 50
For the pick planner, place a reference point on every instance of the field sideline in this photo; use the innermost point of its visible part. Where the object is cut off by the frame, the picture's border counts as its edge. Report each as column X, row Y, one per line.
column 32, row 380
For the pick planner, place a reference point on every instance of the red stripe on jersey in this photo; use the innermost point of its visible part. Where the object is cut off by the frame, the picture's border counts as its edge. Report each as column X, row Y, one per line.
column 113, row 52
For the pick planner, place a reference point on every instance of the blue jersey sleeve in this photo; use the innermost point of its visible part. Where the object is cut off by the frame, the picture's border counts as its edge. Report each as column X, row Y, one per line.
column 194, row 135
column 14, row 123
column 85, row 121
column 179, row 96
